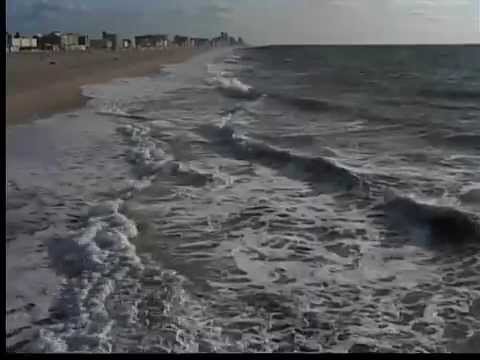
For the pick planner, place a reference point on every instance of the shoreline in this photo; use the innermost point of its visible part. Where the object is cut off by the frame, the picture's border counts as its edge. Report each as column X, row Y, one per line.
column 34, row 166
column 31, row 95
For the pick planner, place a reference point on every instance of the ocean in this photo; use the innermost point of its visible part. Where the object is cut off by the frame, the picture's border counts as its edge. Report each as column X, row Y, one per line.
column 271, row 199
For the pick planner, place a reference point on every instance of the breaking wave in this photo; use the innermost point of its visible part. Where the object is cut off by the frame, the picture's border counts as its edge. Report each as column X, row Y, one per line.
column 454, row 94
column 115, row 111
column 466, row 140
column 312, row 169
column 233, row 87
column 110, row 294
column 94, row 262
column 150, row 159
column 440, row 224
column 308, row 104
column 471, row 196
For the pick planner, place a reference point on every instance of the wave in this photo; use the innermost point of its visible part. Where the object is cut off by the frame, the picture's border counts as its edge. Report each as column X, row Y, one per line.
column 468, row 140
column 454, row 94
column 460, row 140
column 106, row 286
column 150, row 160
column 233, row 59
column 246, row 58
column 429, row 103
column 324, row 105
column 471, row 196
column 309, row 104
column 317, row 170
column 101, row 267
column 233, row 87
column 453, row 107
column 95, row 262
column 232, row 111
column 116, row 112
column 316, row 105
column 443, row 224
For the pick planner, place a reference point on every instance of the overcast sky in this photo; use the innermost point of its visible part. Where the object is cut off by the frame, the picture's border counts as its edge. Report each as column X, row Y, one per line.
column 259, row 21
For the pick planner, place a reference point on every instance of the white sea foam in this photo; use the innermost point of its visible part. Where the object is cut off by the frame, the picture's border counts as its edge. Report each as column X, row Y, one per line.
column 117, row 111
column 231, row 60
column 233, row 87
column 99, row 262
column 147, row 155
column 234, row 84
column 225, row 81
column 96, row 259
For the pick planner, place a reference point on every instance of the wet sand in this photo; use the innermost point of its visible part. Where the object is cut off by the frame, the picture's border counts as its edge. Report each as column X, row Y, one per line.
column 39, row 84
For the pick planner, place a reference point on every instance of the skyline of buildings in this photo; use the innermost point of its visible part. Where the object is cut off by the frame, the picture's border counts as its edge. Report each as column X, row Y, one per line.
column 68, row 41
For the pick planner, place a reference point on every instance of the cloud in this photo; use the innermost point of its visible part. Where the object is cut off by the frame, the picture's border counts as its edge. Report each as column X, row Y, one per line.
column 259, row 22
column 38, row 9
column 29, row 13
column 198, row 17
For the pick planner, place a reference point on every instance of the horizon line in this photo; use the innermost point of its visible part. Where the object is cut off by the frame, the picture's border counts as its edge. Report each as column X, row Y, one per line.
column 369, row 44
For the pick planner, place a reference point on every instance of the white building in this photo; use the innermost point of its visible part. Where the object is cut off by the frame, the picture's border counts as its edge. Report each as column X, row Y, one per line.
column 24, row 43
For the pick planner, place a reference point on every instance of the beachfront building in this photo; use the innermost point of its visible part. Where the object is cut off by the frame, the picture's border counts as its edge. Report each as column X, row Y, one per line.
column 107, row 42
column 101, row 44
column 112, row 38
column 181, row 41
column 217, row 41
column 222, row 40
column 126, row 43
column 199, row 42
column 83, row 42
column 69, row 42
column 51, row 42
column 151, row 41
column 23, row 43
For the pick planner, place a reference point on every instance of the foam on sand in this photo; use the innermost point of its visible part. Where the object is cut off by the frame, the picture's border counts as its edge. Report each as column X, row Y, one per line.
column 93, row 262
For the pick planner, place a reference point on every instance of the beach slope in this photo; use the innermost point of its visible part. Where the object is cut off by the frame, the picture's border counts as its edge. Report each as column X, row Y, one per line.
column 40, row 84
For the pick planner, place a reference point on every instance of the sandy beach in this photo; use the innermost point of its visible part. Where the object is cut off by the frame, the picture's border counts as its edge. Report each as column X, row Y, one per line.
column 40, row 84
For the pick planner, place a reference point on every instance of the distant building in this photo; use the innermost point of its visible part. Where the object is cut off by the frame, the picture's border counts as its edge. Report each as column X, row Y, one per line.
column 84, row 42
column 181, row 41
column 222, row 40
column 151, row 41
column 112, row 38
column 199, row 42
column 69, row 42
column 52, row 41
column 126, row 44
column 20, row 43
column 217, row 41
column 101, row 44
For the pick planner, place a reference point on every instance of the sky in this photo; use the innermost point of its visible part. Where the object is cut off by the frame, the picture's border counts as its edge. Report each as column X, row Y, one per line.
column 259, row 22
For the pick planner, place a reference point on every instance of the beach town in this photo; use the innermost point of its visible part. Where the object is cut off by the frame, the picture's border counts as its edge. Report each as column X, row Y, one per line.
column 59, row 41
column 45, row 73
